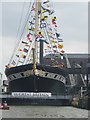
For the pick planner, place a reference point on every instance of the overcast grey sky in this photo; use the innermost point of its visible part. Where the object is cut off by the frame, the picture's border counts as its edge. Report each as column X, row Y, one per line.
column 72, row 18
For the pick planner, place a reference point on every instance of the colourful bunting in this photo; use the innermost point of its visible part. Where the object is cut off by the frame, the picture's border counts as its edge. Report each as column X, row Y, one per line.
column 49, row 47
column 28, row 37
column 27, row 45
column 40, row 33
column 31, row 23
column 49, row 11
column 32, row 29
column 30, row 33
column 60, row 46
column 31, row 55
column 25, row 50
column 53, row 41
column 20, row 61
column 54, row 18
column 42, row 25
column 24, row 42
column 53, row 22
column 43, row 11
column 17, row 55
column 50, row 30
column 54, row 46
column 46, row 2
column 62, row 51
column 19, row 49
column 58, row 35
column 23, row 56
column 60, row 40
column 44, row 18
column 34, row 18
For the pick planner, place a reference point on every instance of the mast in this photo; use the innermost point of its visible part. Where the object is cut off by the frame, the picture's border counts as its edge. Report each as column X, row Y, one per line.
column 36, row 29
column 41, row 52
column 41, row 43
column 38, row 8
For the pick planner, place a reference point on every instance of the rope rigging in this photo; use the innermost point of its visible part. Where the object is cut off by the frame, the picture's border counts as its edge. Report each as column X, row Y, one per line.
column 15, row 49
column 47, row 33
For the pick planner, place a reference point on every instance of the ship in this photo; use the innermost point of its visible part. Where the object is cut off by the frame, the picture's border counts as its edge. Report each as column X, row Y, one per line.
column 26, row 71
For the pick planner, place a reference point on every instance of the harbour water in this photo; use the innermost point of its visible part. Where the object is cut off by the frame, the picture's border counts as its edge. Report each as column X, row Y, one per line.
column 44, row 112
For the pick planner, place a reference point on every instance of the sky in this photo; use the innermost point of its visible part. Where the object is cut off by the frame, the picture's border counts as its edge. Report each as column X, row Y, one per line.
column 72, row 18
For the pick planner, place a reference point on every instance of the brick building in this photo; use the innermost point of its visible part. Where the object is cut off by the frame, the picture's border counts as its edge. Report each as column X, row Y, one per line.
column 80, row 59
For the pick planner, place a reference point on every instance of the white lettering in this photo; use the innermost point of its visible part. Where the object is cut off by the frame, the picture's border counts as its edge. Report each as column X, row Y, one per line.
column 31, row 94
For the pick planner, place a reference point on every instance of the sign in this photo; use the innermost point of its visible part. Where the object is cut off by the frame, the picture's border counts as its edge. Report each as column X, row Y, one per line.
column 31, row 94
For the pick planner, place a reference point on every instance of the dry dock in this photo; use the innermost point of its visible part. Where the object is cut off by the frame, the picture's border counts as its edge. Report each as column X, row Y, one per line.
column 44, row 112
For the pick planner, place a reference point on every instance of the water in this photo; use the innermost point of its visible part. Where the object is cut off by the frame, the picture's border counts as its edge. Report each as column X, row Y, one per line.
column 44, row 112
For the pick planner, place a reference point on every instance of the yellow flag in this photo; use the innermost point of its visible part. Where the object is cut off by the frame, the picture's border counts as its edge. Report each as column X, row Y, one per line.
column 54, row 18
column 43, row 11
column 45, row 18
column 23, row 56
column 31, row 55
column 40, row 33
column 60, row 46
column 33, row 28
column 19, row 49
column 53, row 41
column 27, row 29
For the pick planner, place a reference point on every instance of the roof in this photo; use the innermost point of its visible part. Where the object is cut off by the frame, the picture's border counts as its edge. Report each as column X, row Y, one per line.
column 77, row 55
column 68, row 55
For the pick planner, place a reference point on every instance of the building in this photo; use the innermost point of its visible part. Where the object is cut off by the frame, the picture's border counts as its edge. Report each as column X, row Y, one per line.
column 80, row 59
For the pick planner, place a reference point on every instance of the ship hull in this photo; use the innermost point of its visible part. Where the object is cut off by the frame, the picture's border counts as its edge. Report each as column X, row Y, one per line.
column 49, row 79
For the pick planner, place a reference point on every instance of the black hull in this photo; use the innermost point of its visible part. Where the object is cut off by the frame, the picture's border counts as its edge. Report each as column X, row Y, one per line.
column 32, row 83
column 36, row 101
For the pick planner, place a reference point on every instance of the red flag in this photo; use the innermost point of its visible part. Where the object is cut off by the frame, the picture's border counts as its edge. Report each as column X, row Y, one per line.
column 25, row 50
column 28, row 37
column 53, row 22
